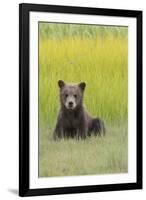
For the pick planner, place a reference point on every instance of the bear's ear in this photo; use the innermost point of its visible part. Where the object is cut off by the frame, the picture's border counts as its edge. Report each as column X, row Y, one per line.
column 61, row 83
column 82, row 85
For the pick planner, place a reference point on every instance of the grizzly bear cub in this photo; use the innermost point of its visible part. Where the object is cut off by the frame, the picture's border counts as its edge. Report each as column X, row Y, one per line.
column 73, row 120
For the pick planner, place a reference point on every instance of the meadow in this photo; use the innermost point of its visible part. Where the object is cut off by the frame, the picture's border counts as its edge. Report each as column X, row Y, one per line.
column 97, row 55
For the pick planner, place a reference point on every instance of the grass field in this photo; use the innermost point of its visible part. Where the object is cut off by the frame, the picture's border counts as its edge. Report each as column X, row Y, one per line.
column 97, row 55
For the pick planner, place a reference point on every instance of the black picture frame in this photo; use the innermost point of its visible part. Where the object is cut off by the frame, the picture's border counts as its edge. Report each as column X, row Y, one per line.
column 24, row 124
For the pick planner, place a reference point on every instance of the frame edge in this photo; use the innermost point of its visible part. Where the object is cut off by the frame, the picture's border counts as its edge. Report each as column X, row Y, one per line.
column 23, row 101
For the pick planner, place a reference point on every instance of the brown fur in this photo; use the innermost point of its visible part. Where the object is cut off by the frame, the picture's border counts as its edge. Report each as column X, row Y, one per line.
column 73, row 120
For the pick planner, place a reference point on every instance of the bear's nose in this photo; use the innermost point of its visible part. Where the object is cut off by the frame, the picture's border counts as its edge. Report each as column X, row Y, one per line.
column 70, row 103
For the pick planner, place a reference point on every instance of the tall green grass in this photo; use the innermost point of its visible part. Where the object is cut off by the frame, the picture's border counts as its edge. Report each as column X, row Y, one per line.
column 97, row 55
column 58, row 31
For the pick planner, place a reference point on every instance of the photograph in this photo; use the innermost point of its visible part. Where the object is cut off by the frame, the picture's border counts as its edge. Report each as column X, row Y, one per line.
column 83, row 88
column 80, row 103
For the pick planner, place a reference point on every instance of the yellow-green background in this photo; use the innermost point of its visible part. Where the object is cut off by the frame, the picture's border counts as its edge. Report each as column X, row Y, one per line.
column 97, row 55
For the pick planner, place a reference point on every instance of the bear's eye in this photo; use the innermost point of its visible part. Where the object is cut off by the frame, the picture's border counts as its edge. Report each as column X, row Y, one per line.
column 75, row 95
column 66, row 95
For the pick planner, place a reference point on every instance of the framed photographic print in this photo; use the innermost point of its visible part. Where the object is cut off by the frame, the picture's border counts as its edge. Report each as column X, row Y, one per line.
column 80, row 99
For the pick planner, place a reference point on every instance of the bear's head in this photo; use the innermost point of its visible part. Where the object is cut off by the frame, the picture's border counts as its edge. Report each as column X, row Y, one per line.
column 71, row 96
